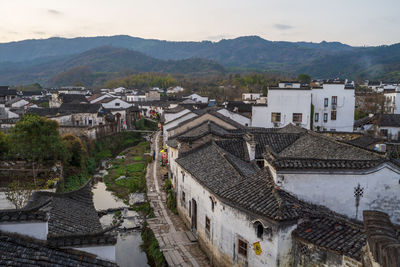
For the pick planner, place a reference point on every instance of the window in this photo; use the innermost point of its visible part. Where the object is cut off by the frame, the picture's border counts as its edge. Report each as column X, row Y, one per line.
column 333, row 115
column 183, row 200
column 334, row 100
column 275, row 117
column 260, row 230
column 316, row 117
column 208, row 225
column 183, row 177
column 325, row 117
column 333, row 130
column 297, row 117
column 117, row 104
column 326, row 102
column 242, row 248
column 384, row 132
column 90, row 122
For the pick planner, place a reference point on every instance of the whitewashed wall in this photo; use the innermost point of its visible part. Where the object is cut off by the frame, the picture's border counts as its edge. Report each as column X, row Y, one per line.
column 38, row 230
column 235, row 116
column 103, row 252
column 287, row 102
column 116, row 103
column 344, row 109
column 336, row 190
column 227, row 224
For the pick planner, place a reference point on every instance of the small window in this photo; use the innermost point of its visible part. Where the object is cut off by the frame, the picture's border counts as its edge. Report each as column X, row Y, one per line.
column 275, row 117
column 334, row 100
column 242, row 248
column 297, row 117
column 326, row 102
column 260, row 230
column 325, row 117
column 212, row 204
column 117, row 104
column 90, row 122
column 333, row 115
column 384, row 132
column 208, row 224
column 333, row 130
column 316, row 117
column 183, row 198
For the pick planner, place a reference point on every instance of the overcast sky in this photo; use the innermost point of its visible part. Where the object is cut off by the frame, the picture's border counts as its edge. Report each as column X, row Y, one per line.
column 355, row 22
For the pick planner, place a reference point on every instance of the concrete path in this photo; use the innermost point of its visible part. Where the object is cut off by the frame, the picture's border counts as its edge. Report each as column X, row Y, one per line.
column 167, row 227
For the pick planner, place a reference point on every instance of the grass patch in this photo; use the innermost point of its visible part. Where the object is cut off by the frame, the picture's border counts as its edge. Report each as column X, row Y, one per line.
column 171, row 198
column 138, row 158
column 135, row 167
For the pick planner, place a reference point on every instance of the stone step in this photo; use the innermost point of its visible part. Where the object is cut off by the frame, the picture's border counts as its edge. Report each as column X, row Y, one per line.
column 191, row 236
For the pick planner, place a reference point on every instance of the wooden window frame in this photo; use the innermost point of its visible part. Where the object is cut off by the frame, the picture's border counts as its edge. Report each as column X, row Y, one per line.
column 274, row 115
column 243, row 248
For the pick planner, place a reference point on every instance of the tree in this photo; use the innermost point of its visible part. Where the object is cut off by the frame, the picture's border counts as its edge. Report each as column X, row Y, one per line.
column 75, row 150
column 36, row 139
column 3, row 145
column 19, row 193
column 304, row 78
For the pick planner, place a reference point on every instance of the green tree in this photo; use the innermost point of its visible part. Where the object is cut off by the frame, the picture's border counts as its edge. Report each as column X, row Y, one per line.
column 4, row 147
column 36, row 139
column 75, row 150
column 304, row 78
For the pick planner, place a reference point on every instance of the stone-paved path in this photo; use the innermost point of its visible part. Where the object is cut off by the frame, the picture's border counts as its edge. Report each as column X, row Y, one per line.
column 168, row 228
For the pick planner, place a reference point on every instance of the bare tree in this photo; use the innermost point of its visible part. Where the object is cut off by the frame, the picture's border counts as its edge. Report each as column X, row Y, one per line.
column 19, row 193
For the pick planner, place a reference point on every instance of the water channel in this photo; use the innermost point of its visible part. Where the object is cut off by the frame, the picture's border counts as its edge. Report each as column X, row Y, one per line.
column 127, row 249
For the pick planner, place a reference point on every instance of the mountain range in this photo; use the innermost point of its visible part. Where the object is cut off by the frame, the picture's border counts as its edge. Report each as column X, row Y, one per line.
column 100, row 58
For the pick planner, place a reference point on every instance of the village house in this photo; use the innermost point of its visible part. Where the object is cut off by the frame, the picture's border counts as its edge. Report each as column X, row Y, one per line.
column 305, row 167
column 197, row 98
column 195, row 118
column 7, row 94
column 98, row 97
column 152, row 95
column 251, row 97
column 56, row 223
column 392, row 96
column 290, row 102
column 61, row 98
column 334, row 105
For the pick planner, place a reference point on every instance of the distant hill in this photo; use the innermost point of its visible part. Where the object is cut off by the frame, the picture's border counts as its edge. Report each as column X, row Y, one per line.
column 99, row 64
column 320, row 60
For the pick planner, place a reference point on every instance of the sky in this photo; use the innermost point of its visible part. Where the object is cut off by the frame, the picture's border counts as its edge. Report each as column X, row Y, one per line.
column 354, row 22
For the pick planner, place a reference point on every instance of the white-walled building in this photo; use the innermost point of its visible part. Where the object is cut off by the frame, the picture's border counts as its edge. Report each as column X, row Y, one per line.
column 334, row 105
column 251, row 96
column 197, row 98
column 239, row 118
column 392, row 104
column 115, row 103
column 288, row 103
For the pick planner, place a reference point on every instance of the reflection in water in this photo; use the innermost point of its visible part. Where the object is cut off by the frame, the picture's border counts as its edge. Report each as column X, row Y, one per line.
column 127, row 249
column 104, row 199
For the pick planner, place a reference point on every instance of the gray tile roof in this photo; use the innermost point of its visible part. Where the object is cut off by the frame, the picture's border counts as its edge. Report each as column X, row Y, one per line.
column 235, row 146
column 21, row 251
column 334, row 234
column 314, row 146
column 70, row 213
column 241, row 184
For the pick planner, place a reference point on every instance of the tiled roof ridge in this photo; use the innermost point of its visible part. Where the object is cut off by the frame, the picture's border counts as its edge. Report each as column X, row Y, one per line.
column 224, row 154
column 179, row 118
column 90, row 234
column 364, row 148
column 202, row 146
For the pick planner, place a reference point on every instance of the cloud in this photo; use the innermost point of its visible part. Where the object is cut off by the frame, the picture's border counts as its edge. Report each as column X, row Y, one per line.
column 283, row 27
column 54, row 12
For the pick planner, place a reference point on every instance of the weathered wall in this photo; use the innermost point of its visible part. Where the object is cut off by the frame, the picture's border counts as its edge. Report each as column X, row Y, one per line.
column 37, row 230
column 227, row 225
column 381, row 190
column 103, row 252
